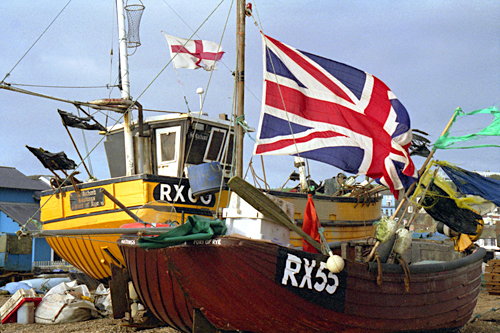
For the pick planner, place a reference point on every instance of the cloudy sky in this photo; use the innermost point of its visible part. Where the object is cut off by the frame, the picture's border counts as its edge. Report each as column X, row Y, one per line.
column 434, row 55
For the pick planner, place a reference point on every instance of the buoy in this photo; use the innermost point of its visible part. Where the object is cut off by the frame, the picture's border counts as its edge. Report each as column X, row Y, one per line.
column 335, row 263
column 133, row 296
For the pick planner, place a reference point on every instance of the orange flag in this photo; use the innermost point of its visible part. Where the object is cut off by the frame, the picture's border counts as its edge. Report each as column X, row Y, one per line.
column 310, row 225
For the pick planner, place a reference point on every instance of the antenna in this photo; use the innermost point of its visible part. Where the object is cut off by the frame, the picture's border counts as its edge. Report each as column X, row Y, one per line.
column 200, row 92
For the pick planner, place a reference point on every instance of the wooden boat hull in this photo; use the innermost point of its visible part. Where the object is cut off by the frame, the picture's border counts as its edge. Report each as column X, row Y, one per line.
column 343, row 218
column 256, row 286
column 93, row 254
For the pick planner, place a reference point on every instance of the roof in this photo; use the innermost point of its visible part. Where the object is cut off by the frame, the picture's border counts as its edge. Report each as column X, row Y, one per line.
column 12, row 178
column 430, row 235
column 20, row 212
column 489, row 232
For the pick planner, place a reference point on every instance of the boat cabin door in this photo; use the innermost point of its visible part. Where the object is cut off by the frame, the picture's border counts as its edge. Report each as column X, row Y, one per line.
column 168, row 147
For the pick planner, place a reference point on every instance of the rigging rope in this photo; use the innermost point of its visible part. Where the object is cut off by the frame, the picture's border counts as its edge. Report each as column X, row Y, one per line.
column 258, row 24
column 91, row 176
column 203, row 102
column 32, row 45
column 76, row 103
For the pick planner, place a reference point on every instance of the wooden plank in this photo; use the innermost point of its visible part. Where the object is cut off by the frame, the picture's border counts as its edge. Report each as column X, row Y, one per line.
column 119, row 291
column 491, row 276
column 494, row 262
column 492, row 269
column 266, row 206
column 492, row 283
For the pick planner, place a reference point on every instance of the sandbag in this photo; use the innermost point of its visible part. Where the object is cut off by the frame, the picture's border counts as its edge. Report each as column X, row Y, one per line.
column 65, row 303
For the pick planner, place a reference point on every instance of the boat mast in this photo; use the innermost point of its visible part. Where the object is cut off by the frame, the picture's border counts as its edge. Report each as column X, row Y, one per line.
column 124, row 74
column 240, row 77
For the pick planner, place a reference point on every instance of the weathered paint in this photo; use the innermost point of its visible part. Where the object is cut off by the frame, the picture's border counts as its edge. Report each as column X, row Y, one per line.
column 174, row 281
column 93, row 254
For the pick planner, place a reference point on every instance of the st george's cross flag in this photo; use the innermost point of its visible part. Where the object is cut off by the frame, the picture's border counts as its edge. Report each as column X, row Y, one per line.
column 194, row 54
column 331, row 112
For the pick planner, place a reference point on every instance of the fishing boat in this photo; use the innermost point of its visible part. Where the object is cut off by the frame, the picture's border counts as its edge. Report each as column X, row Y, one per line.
column 257, row 286
column 236, row 283
column 149, row 159
column 245, row 281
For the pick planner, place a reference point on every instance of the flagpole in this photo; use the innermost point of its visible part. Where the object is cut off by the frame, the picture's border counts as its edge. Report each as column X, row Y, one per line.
column 412, row 186
column 76, row 148
column 424, row 166
column 240, row 77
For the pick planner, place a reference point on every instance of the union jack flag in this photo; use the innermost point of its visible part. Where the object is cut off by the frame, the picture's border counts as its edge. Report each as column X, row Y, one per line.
column 331, row 112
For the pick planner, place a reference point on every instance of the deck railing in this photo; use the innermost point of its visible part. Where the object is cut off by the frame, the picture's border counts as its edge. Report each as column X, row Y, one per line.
column 53, row 265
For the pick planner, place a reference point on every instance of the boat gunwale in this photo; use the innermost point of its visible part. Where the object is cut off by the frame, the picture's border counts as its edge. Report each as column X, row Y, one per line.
column 426, row 268
column 468, row 260
column 148, row 177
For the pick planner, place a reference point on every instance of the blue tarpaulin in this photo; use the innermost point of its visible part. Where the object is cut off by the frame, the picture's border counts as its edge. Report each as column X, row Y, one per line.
column 473, row 183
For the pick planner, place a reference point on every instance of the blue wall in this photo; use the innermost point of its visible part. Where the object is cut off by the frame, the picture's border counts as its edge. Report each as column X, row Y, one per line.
column 7, row 224
column 15, row 195
column 41, row 250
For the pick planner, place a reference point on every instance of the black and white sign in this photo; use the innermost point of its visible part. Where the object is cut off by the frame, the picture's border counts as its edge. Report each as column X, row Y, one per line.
column 305, row 274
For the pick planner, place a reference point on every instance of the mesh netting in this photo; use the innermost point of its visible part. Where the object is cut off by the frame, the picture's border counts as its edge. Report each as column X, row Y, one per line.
column 134, row 14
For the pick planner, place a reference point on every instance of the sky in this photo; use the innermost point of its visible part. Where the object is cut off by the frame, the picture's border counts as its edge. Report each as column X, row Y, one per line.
column 434, row 55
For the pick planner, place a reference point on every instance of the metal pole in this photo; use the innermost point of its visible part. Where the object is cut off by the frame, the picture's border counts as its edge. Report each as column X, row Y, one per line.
column 125, row 82
column 108, row 231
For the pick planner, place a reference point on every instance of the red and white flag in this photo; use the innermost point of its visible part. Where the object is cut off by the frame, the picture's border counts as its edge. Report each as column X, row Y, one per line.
column 194, row 54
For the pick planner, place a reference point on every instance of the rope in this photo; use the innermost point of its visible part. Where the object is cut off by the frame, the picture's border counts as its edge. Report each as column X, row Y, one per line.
column 36, row 41
column 406, row 269
column 241, row 121
column 86, row 149
column 479, row 315
column 325, row 248
column 206, row 91
column 379, row 266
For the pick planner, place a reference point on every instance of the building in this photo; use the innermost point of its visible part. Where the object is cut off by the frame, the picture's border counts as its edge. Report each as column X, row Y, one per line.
column 20, row 203
column 388, row 203
column 491, row 234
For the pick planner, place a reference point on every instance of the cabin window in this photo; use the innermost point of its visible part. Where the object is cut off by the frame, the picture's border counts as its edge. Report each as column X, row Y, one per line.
column 167, row 142
column 209, row 145
column 168, row 145
column 229, row 149
column 215, row 143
